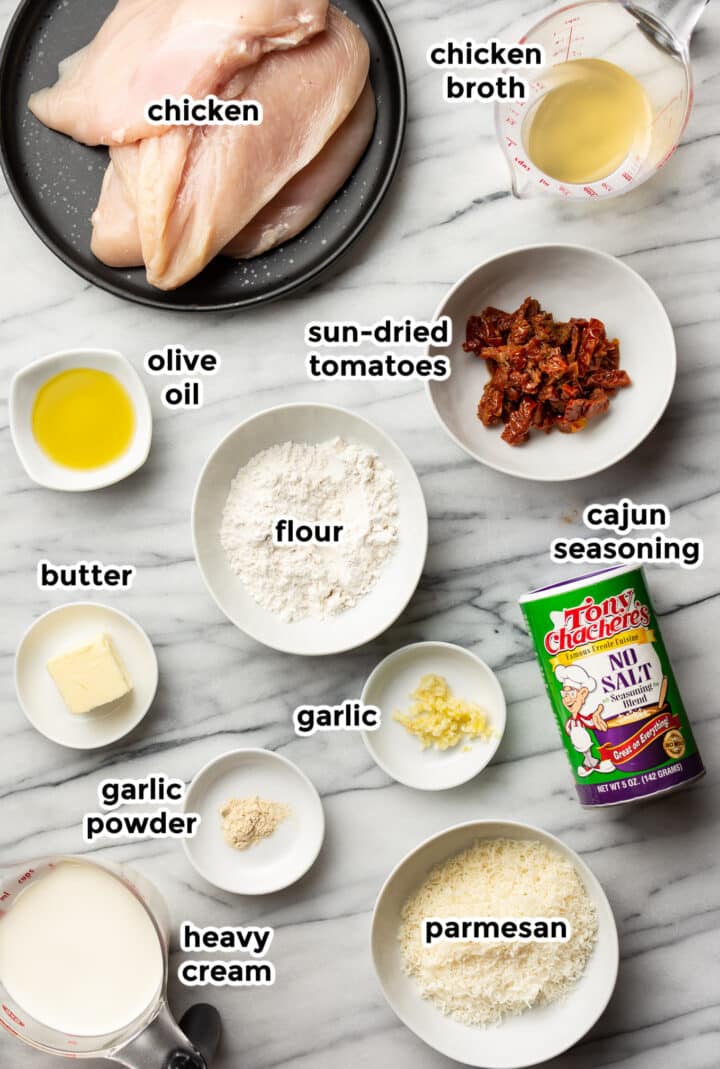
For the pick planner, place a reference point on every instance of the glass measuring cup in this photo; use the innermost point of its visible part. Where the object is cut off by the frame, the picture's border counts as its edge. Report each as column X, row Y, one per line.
column 153, row 1040
column 652, row 46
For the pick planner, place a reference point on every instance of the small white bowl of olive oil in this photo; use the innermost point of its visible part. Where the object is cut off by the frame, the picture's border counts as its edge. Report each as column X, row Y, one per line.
column 80, row 419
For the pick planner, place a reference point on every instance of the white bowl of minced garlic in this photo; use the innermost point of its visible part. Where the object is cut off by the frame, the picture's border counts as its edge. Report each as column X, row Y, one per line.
column 442, row 715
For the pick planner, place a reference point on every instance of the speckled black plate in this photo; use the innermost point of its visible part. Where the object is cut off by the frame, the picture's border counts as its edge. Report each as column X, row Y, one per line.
column 56, row 182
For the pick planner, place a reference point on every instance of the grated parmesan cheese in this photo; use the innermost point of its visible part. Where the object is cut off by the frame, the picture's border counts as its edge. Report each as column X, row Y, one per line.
column 480, row 983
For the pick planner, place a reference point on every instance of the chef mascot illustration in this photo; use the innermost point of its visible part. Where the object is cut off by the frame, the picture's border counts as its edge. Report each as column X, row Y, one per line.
column 577, row 686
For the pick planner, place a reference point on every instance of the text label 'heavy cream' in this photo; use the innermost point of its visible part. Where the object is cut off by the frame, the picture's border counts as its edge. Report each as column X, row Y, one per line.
column 252, row 940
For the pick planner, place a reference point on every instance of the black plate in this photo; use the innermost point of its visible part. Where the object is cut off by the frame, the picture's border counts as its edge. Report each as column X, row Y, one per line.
column 56, row 182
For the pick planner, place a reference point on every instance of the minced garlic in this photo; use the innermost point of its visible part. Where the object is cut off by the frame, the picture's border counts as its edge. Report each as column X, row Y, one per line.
column 440, row 719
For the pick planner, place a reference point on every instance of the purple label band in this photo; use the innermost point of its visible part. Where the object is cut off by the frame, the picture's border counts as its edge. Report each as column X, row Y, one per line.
column 643, row 785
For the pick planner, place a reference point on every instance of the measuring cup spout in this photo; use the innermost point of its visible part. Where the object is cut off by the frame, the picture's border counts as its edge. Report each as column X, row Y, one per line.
column 669, row 22
column 520, row 188
column 160, row 1046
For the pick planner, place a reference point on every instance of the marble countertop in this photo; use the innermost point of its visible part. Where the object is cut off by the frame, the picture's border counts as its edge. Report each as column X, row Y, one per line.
column 489, row 540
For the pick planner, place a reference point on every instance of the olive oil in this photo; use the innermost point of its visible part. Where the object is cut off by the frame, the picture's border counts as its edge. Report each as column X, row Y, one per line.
column 586, row 125
column 83, row 418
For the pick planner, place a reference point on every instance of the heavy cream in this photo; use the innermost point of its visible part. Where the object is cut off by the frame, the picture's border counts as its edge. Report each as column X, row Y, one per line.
column 79, row 952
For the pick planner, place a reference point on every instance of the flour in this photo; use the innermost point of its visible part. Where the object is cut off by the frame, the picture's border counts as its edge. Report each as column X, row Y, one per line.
column 335, row 482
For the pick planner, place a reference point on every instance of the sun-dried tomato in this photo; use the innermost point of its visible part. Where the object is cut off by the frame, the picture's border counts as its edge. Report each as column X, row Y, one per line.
column 543, row 374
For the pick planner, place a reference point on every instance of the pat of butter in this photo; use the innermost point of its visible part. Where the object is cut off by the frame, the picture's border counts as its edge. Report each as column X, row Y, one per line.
column 90, row 676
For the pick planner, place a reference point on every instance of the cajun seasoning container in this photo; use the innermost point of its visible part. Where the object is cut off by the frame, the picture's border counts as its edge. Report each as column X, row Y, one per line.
column 612, row 687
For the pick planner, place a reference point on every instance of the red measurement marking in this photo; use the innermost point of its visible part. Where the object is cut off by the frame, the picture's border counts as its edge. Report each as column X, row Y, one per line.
column 666, row 108
column 510, row 143
column 544, row 182
column 569, row 43
column 590, row 191
column 28, row 876
column 607, row 187
column 4, row 896
column 522, row 163
column 13, row 1016
column 627, row 176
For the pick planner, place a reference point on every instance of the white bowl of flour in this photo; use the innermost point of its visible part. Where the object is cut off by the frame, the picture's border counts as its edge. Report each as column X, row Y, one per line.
column 310, row 529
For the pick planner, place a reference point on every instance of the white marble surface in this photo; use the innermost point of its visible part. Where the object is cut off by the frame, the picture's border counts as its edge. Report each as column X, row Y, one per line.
column 489, row 543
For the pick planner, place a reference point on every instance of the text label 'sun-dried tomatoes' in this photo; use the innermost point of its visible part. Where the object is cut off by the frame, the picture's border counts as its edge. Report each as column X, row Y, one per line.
column 543, row 374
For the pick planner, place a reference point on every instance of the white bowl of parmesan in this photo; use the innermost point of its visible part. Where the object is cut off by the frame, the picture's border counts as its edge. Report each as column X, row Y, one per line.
column 495, row 944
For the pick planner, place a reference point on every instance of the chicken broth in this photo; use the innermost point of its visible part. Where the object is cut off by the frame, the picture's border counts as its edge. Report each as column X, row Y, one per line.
column 585, row 127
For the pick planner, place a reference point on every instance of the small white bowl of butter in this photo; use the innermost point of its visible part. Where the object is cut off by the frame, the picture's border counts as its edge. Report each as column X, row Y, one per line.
column 85, row 675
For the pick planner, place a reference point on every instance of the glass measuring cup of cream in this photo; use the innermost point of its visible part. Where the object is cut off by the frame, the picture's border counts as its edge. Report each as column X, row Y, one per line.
column 83, row 964
column 610, row 105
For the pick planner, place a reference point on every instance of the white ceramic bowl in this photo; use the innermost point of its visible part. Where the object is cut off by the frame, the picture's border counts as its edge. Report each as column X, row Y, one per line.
column 62, row 630
column 535, row 1036
column 38, row 465
column 282, row 858
column 375, row 612
column 568, row 280
column 398, row 752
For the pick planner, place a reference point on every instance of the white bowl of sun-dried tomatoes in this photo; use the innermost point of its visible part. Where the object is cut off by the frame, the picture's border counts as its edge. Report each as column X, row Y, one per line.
column 562, row 362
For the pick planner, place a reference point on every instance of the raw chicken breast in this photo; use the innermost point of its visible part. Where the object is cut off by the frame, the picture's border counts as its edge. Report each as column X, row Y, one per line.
column 194, row 189
column 149, row 49
column 309, row 192
column 116, row 238
column 115, row 235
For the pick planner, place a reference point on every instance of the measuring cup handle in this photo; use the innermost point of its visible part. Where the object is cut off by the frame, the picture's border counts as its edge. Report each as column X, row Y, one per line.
column 203, row 1027
column 680, row 17
column 180, row 1060
column 163, row 1045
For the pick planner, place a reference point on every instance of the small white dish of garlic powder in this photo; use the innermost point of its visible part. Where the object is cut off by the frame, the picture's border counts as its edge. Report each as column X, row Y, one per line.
column 323, row 468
